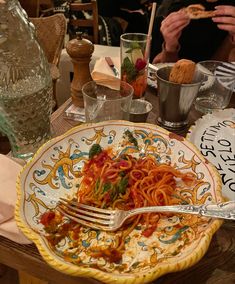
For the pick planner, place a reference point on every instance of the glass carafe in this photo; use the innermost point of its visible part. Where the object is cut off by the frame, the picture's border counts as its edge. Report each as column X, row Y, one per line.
column 25, row 83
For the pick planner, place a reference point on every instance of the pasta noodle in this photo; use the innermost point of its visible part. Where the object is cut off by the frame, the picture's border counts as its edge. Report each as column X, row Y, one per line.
column 126, row 183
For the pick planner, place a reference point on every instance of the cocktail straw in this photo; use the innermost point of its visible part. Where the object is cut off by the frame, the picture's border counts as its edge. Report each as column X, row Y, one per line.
column 153, row 11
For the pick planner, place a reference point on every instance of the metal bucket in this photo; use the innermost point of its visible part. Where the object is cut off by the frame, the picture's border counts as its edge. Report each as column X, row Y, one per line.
column 175, row 100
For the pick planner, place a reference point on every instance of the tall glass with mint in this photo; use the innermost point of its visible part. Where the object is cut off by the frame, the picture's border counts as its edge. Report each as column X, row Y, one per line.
column 134, row 61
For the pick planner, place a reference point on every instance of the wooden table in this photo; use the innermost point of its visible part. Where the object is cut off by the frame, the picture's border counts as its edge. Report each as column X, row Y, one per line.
column 217, row 266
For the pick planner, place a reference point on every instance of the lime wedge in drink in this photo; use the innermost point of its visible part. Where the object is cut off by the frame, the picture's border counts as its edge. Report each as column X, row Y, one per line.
column 136, row 53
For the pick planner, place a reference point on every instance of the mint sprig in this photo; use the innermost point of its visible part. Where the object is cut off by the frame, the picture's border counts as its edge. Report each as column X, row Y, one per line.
column 129, row 69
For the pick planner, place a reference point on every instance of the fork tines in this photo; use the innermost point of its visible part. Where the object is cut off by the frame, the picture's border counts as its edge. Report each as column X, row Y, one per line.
column 93, row 217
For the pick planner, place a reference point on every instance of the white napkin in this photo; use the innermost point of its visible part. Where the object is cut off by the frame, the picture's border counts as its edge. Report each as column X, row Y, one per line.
column 102, row 74
column 9, row 171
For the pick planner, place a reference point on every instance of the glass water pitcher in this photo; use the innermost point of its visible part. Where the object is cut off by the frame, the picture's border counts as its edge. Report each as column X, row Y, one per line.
column 25, row 83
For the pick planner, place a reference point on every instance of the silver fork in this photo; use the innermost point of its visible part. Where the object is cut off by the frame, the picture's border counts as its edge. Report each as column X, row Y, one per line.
column 111, row 220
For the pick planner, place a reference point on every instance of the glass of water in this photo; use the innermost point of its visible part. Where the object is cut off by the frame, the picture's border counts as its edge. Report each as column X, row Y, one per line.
column 102, row 103
column 218, row 84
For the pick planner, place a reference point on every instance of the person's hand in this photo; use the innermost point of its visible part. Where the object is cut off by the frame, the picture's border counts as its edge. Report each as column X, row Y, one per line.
column 225, row 19
column 171, row 29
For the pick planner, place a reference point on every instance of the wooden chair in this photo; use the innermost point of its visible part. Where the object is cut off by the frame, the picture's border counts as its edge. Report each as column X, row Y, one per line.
column 46, row 8
column 87, row 22
column 36, row 8
column 31, row 7
column 50, row 32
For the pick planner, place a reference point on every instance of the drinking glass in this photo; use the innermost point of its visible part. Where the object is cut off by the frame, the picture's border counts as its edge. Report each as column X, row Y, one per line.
column 102, row 103
column 134, row 61
column 140, row 110
column 218, row 84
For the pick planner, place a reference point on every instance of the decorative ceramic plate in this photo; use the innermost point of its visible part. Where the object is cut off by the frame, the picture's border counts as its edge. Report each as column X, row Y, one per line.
column 177, row 242
column 214, row 135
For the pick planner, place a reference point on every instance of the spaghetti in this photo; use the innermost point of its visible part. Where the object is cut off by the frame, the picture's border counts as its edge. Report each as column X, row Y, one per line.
column 126, row 183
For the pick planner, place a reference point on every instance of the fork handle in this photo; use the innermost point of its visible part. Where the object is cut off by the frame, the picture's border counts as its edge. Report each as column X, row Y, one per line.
column 224, row 210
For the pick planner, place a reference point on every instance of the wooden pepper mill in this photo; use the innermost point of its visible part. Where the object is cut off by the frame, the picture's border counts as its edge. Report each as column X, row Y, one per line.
column 80, row 50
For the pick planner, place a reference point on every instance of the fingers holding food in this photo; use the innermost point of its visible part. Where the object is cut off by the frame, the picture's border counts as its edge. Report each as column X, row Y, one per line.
column 225, row 10
column 225, row 18
column 172, row 27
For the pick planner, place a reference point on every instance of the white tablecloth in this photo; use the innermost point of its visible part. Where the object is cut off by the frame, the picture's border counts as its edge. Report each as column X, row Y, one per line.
column 66, row 67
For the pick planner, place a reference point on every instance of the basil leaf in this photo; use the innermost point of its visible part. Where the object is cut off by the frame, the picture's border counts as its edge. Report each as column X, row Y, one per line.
column 123, row 185
column 97, row 184
column 106, row 187
column 94, row 150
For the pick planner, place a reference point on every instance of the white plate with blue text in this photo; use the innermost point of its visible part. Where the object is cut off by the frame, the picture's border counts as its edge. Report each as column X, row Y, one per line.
column 214, row 135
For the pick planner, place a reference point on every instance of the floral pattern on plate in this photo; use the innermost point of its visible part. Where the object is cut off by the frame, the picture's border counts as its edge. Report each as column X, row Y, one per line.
column 177, row 242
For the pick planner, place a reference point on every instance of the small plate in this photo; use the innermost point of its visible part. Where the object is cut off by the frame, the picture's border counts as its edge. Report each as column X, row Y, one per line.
column 214, row 135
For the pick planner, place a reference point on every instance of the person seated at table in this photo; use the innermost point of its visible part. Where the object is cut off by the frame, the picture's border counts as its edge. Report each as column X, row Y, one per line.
column 176, row 36
column 133, row 12
column 121, row 16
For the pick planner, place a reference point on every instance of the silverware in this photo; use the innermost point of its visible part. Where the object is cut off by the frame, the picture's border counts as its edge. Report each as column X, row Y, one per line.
column 112, row 66
column 111, row 220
